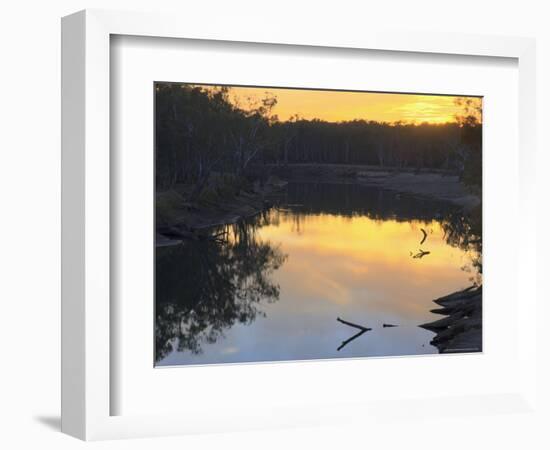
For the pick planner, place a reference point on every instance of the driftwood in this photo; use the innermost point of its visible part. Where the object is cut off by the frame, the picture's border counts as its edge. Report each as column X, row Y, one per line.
column 421, row 253
column 347, row 341
column 461, row 330
column 362, row 330
column 465, row 294
column 425, row 235
column 354, row 325
column 190, row 234
column 442, row 323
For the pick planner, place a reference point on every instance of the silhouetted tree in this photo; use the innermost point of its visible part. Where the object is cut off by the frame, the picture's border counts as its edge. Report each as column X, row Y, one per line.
column 200, row 130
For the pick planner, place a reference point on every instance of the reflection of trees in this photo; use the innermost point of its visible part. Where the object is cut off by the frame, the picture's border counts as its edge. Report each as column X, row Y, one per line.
column 463, row 230
column 205, row 287
column 303, row 199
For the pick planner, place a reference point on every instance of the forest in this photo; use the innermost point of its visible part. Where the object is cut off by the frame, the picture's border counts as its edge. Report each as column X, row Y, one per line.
column 200, row 132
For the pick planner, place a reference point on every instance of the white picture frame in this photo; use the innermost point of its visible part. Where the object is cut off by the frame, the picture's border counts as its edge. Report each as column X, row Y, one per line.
column 86, row 219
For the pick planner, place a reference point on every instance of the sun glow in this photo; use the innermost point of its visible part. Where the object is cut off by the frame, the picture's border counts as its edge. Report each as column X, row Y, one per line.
column 339, row 106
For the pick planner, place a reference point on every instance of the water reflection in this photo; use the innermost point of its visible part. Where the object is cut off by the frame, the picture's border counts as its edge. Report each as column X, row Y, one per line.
column 352, row 199
column 274, row 288
column 206, row 287
column 463, row 230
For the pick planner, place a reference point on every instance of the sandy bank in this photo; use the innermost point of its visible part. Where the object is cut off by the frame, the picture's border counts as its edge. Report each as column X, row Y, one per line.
column 433, row 185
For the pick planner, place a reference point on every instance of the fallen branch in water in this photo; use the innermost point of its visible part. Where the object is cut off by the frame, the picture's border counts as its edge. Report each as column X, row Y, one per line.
column 421, row 254
column 354, row 325
column 191, row 234
column 355, row 336
column 425, row 235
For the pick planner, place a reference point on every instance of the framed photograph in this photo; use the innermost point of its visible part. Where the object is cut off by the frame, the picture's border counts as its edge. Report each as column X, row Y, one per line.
column 291, row 222
column 267, row 230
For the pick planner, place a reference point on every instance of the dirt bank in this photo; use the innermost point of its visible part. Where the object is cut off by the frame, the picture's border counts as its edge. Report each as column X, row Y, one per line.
column 433, row 185
column 177, row 219
column 437, row 184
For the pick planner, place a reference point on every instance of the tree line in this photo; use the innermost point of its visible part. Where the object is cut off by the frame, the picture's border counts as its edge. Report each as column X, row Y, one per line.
column 200, row 131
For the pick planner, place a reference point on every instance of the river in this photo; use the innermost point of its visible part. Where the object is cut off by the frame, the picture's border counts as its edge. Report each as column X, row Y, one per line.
column 273, row 287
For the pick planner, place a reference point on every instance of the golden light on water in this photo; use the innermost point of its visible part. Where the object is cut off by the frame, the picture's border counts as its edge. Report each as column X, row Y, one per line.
column 361, row 261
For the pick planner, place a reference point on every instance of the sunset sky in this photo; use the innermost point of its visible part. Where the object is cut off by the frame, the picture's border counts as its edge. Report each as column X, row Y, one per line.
column 336, row 106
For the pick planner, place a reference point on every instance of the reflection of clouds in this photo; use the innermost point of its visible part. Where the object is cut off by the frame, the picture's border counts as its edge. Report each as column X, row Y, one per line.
column 307, row 279
column 365, row 265
column 355, row 268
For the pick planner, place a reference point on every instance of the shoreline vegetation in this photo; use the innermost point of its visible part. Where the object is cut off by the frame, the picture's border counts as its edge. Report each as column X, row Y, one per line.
column 226, row 200
column 459, row 331
column 437, row 184
column 217, row 160
column 221, row 204
column 218, row 163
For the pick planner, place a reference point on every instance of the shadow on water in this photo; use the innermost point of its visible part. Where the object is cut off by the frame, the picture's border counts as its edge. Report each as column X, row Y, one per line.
column 204, row 288
column 353, row 199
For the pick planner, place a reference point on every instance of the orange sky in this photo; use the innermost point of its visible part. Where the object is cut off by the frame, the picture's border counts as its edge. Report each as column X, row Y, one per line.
column 336, row 106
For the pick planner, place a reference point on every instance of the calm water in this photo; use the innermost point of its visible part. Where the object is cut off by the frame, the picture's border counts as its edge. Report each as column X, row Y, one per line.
column 272, row 289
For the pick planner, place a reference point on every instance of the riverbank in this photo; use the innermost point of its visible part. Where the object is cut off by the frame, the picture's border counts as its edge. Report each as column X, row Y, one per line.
column 178, row 219
column 432, row 183
column 227, row 200
column 461, row 330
